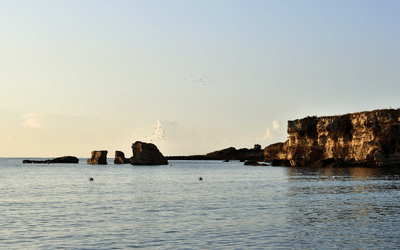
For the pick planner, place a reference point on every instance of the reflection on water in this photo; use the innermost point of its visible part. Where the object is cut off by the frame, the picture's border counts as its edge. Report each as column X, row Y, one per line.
column 343, row 173
column 358, row 207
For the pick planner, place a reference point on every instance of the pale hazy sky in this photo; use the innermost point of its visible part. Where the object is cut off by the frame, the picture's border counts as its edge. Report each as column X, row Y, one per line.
column 78, row 76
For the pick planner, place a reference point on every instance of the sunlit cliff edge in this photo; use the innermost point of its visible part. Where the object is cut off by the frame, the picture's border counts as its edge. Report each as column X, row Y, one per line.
column 370, row 139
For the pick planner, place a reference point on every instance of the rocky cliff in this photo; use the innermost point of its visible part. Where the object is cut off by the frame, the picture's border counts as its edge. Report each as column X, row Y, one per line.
column 360, row 139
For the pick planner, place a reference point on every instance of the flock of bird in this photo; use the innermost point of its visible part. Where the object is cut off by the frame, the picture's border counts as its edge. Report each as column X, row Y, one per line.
column 199, row 79
column 159, row 133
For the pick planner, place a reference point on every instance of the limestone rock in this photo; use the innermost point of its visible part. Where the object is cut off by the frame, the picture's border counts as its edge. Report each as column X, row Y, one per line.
column 370, row 139
column 98, row 157
column 147, row 154
column 120, row 158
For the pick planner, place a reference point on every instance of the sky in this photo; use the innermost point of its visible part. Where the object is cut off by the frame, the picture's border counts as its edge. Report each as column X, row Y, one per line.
column 191, row 77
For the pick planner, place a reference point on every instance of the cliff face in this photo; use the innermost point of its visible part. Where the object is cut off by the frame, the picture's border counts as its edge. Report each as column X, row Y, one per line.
column 361, row 139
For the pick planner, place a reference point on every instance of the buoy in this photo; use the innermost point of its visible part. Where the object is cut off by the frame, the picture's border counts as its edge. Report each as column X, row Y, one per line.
column 91, row 179
column 200, row 178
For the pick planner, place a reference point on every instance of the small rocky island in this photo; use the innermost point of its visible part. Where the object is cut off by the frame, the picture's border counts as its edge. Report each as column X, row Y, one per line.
column 64, row 159
column 368, row 139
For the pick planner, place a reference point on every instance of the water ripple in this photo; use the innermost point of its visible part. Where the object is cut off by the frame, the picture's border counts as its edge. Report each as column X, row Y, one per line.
column 166, row 207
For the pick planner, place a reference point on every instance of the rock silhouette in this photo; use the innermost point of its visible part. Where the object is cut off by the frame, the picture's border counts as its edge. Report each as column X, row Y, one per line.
column 147, row 154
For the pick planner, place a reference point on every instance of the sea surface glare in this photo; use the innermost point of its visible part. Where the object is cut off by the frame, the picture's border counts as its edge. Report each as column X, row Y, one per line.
column 55, row 206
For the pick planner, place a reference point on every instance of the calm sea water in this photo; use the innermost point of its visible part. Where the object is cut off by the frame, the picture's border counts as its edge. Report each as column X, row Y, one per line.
column 166, row 207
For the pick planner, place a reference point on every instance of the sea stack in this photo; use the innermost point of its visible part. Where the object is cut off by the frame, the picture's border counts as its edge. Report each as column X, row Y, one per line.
column 120, row 158
column 147, row 154
column 98, row 157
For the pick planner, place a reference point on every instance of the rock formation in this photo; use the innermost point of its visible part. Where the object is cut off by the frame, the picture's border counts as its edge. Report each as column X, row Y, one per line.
column 64, row 159
column 231, row 153
column 254, row 163
column 98, row 157
column 120, row 158
column 147, row 154
column 369, row 139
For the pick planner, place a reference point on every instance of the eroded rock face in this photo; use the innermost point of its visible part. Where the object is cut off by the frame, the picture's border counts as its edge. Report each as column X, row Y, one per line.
column 360, row 139
column 120, row 158
column 98, row 157
column 147, row 154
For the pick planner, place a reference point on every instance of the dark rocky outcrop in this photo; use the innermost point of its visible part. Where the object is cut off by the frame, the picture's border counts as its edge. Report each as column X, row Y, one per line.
column 120, row 158
column 279, row 162
column 64, row 159
column 231, row 153
column 147, row 154
column 369, row 139
column 254, row 163
column 98, row 157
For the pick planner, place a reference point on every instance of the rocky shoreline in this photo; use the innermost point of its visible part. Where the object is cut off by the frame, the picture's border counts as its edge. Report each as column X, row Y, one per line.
column 363, row 139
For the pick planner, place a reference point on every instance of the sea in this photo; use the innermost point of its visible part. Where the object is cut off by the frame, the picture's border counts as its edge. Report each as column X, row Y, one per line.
column 56, row 206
